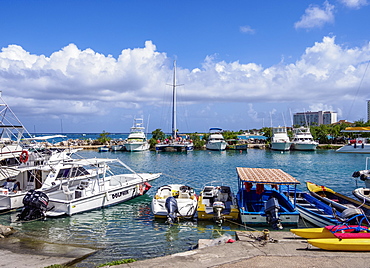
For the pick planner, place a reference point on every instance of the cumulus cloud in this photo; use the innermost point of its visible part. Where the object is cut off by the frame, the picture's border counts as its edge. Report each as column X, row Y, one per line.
column 78, row 83
column 355, row 4
column 316, row 17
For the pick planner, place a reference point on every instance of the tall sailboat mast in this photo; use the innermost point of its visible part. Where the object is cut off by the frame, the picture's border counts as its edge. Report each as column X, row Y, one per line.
column 174, row 104
column 174, row 129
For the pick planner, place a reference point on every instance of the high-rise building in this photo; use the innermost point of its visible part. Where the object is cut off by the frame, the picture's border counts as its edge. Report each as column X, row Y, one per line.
column 314, row 118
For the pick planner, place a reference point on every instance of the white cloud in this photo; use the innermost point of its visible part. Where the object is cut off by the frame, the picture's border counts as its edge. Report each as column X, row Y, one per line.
column 79, row 83
column 247, row 29
column 355, row 4
column 316, row 17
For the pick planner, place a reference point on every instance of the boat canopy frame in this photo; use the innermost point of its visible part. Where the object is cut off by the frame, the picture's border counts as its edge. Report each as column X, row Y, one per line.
column 267, row 176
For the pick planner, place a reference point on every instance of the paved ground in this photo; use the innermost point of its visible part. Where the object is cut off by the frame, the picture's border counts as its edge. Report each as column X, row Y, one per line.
column 21, row 253
column 283, row 249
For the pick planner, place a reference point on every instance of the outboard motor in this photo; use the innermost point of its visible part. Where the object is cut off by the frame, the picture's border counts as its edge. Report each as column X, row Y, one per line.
column 364, row 176
column 218, row 207
column 271, row 209
column 35, row 204
column 172, row 209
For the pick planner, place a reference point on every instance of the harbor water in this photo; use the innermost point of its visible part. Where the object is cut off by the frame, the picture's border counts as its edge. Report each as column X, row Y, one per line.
column 129, row 230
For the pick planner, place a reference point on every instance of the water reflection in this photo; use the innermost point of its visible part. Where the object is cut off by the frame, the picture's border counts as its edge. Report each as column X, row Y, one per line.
column 129, row 230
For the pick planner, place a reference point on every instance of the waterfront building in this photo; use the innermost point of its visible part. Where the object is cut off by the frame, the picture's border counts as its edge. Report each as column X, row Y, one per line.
column 314, row 118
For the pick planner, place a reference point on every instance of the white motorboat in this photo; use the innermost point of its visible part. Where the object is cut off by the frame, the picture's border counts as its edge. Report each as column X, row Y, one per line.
column 48, row 177
column 216, row 141
column 280, row 140
column 303, row 140
column 174, row 201
column 102, row 190
column 137, row 140
column 217, row 203
column 359, row 144
column 24, row 163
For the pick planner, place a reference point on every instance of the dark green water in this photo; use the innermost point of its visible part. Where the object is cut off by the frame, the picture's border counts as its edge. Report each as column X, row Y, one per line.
column 129, row 230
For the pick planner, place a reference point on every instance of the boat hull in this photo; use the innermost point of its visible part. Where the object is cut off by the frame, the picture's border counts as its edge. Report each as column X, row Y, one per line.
column 174, row 147
column 313, row 233
column 314, row 210
column 252, row 208
column 304, row 146
column 216, row 145
column 137, row 147
column 184, row 197
column 280, row 146
column 334, row 199
column 341, row 244
column 362, row 148
column 88, row 203
column 362, row 194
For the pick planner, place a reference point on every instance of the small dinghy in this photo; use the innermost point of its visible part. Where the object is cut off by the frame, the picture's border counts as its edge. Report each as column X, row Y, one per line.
column 174, row 201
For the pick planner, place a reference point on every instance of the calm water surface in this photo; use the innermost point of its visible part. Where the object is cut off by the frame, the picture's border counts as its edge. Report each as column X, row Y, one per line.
column 129, row 230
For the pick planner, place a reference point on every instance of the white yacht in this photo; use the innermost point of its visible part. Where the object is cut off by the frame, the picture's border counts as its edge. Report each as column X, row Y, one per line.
column 303, row 140
column 280, row 140
column 137, row 140
column 47, row 177
column 216, row 141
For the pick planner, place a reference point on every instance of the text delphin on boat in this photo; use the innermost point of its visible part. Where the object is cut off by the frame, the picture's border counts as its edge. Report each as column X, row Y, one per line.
column 119, row 194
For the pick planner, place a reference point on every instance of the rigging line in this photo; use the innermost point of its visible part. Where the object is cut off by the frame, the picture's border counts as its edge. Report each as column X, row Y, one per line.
column 358, row 89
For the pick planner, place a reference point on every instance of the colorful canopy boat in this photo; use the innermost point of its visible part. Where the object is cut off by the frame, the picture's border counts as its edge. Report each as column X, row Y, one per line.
column 259, row 205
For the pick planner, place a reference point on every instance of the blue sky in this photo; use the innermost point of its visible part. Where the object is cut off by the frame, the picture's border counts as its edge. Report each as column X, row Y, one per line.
column 89, row 66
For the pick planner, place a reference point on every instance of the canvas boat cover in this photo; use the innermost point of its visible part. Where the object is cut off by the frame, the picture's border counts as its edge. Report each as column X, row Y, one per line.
column 265, row 176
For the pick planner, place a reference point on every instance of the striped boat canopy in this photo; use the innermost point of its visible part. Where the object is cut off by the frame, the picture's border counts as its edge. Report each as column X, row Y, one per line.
column 356, row 129
column 265, row 176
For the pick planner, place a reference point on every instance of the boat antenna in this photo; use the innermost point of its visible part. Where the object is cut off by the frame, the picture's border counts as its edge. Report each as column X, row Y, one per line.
column 147, row 125
column 305, row 118
column 174, row 127
column 283, row 119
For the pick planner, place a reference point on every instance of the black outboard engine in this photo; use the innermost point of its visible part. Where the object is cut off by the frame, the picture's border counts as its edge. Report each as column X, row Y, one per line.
column 272, row 216
column 172, row 209
column 364, row 176
column 35, row 204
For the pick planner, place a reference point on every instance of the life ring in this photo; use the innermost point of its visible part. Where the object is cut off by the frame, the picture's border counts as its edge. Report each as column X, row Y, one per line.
column 23, row 157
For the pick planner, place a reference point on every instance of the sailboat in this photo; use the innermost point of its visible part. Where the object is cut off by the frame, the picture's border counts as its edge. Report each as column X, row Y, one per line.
column 175, row 143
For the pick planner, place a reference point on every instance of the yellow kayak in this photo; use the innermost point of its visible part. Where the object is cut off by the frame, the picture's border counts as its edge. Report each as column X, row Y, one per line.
column 313, row 233
column 341, row 244
column 334, row 231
